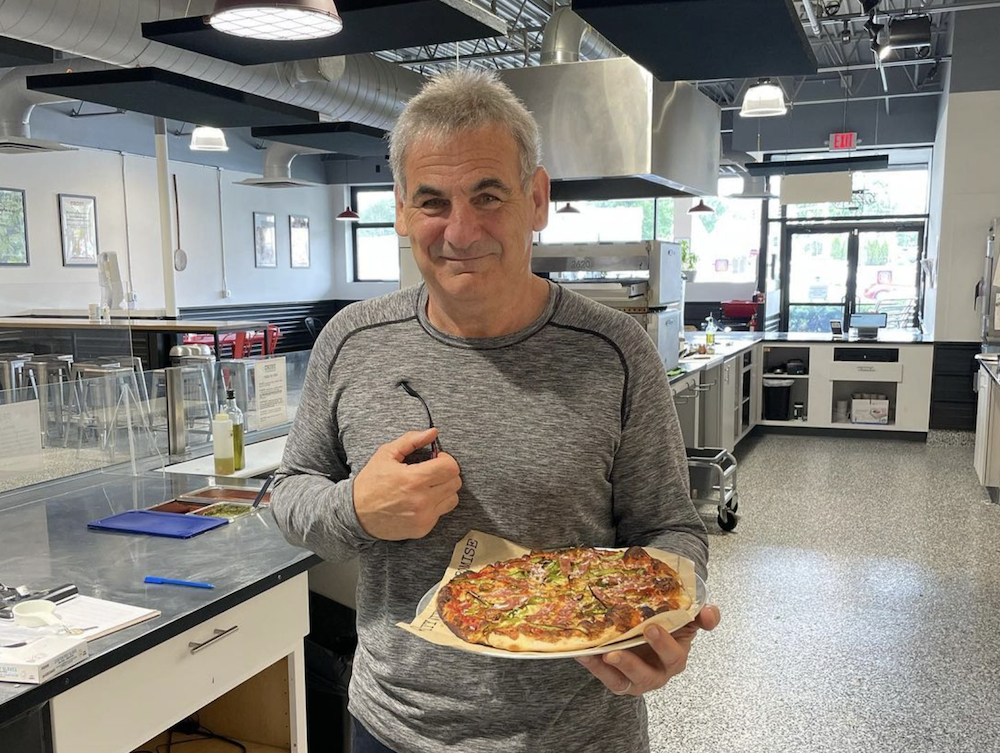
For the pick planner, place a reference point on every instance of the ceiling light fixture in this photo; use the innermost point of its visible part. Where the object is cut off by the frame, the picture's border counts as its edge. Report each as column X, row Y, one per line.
column 568, row 209
column 278, row 20
column 701, row 208
column 208, row 139
column 348, row 215
column 765, row 100
column 906, row 33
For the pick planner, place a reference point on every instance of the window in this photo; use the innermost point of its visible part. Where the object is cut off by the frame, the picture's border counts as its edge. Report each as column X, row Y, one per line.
column 727, row 242
column 374, row 240
column 610, row 221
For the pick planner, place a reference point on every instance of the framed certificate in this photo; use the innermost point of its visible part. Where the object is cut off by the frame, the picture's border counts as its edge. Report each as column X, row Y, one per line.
column 263, row 240
column 13, row 228
column 298, row 233
column 78, row 226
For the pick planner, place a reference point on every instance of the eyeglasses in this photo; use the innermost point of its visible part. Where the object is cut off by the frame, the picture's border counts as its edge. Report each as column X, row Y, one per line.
column 436, row 444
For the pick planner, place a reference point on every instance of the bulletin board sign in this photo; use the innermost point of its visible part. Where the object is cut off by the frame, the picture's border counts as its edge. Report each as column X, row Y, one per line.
column 272, row 393
column 13, row 228
column 78, row 226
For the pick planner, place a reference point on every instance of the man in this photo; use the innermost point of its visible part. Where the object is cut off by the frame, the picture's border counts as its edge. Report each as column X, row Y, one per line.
column 552, row 424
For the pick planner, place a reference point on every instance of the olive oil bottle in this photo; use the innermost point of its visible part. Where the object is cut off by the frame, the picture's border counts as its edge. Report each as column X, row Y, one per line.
column 222, row 445
column 232, row 410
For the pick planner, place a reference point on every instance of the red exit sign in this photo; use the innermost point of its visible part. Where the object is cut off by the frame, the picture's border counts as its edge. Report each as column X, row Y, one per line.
column 841, row 141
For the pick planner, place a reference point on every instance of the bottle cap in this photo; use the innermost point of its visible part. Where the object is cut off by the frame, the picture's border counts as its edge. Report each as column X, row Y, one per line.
column 230, row 394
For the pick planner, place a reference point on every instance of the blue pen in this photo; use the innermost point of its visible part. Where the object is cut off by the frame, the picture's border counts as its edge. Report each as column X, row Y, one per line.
column 173, row 582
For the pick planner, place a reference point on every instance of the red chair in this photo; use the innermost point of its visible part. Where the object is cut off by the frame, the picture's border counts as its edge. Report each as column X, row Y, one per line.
column 271, row 340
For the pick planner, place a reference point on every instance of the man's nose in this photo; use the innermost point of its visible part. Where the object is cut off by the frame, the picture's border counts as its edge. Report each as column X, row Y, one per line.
column 464, row 227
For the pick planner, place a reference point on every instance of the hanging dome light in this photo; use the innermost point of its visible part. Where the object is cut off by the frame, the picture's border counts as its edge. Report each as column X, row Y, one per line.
column 701, row 208
column 568, row 209
column 765, row 100
column 207, row 139
column 279, row 20
column 348, row 215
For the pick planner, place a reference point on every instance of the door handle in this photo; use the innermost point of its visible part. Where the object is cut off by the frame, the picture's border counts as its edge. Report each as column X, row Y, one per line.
column 219, row 635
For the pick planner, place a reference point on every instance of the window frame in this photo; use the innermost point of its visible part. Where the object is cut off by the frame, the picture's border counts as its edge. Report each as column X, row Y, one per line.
column 356, row 191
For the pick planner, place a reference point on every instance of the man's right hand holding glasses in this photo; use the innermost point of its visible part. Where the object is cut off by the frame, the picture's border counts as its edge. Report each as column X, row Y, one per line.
column 394, row 500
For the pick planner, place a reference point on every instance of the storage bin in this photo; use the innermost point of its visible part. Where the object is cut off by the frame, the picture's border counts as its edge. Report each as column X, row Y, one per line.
column 777, row 399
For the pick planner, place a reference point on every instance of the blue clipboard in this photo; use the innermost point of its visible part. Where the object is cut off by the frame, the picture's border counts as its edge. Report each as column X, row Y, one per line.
column 151, row 523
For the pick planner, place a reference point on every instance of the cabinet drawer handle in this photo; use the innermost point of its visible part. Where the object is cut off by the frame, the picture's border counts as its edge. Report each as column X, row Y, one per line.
column 704, row 387
column 219, row 635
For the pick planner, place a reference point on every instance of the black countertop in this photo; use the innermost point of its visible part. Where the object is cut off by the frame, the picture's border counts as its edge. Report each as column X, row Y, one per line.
column 45, row 542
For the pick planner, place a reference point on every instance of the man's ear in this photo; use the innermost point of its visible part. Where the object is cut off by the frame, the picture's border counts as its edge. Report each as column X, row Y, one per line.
column 540, row 189
column 400, row 216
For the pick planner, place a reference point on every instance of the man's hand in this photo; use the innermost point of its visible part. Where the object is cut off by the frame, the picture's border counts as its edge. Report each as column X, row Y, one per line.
column 395, row 501
column 645, row 668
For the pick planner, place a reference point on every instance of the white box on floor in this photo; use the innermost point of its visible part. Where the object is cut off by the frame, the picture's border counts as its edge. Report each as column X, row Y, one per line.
column 41, row 659
column 869, row 411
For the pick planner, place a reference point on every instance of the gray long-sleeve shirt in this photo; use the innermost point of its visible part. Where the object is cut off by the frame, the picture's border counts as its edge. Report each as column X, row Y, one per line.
column 565, row 433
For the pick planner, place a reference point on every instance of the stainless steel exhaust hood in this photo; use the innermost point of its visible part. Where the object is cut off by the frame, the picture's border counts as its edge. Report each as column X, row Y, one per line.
column 612, row 131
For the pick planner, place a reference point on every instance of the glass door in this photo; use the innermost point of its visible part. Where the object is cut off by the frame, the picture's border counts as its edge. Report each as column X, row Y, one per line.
column 888, row 274
column 819, row 279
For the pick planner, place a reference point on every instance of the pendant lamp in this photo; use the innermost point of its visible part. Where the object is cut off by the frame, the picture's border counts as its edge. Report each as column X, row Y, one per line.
column 278, row 20
column 207, row 139
column 348, row 215
column 701, row 208
column 568, row 209
column 765, row 100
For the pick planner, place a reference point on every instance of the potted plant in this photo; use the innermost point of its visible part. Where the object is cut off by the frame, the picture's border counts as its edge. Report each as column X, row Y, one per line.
column 689, row 260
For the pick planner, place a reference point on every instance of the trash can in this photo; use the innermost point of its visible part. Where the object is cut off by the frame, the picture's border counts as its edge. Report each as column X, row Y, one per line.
column 777, row 399
column 329, row 657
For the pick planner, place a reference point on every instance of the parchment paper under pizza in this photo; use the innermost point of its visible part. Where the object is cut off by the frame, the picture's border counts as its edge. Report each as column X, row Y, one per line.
column 501, row 599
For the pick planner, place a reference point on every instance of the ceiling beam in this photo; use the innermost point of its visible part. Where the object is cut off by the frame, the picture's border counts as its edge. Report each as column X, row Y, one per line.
column 851, row 100
column 923, row 10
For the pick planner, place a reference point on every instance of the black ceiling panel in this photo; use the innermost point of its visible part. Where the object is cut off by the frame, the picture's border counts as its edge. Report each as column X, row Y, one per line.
column 812, row 166
column 14, row 52
column 369, row 26
column 170, row 95
column 610, row 188
column 687, row 40
column 345, row 138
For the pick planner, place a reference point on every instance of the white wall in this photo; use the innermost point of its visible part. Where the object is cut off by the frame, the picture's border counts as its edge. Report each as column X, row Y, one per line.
column 970, row 199
column 934, row 219
column 47, row 284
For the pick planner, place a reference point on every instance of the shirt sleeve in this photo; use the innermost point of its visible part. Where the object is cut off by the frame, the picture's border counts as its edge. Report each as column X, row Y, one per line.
column 313, row 497
column 650, row 482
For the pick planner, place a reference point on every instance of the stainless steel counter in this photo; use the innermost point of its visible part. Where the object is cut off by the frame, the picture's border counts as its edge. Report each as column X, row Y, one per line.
column 44, row 541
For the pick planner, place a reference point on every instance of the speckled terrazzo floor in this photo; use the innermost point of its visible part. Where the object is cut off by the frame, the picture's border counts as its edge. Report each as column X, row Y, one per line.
column 860, row 596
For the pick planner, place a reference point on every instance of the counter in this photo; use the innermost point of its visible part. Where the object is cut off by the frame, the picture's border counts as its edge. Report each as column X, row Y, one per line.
column 45, row 542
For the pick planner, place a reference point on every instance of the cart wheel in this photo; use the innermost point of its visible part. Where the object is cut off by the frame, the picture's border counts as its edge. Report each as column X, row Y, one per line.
column 734, row 504
column 727, row 520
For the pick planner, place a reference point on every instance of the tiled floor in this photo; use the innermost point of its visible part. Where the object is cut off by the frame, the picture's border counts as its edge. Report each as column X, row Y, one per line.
column 860, row 596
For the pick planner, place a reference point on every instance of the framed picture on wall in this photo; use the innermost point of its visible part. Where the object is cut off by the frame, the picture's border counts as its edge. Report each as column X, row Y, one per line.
column 78, row 227
column 13, row 228
column 298, row 233
column 264, row 246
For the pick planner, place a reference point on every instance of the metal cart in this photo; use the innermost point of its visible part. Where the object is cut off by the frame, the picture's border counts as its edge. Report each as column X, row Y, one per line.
column 713, row 481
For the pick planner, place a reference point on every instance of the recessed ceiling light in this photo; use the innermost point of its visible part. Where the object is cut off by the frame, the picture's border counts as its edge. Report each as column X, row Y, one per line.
column 207, row 139
column 279, row 20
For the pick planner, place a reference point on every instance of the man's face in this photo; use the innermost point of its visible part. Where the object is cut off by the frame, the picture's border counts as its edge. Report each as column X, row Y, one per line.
column 467, row 216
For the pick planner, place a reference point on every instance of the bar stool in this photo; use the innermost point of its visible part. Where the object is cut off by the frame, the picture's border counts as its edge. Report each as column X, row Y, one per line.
column 100, row 392
column 134, row 363
column 198, row 401
column 47, row 376
column 11, row 376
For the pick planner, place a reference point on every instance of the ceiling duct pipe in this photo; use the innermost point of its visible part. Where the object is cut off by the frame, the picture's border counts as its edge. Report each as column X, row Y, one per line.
column 569, row 39
column 278, row 167
column 369, row 91
column 17, row 103
column 734, row 162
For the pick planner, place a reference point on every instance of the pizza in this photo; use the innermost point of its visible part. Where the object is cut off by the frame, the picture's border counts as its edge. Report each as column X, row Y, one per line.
column 562, row 600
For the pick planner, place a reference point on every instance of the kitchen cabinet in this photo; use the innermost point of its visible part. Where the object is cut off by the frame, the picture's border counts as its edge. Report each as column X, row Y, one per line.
column 710, row 391
column 729, row 429
column 987, row 456
column 687, row 400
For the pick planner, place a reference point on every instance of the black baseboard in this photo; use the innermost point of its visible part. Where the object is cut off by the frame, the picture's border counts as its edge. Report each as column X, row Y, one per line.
column 811, row 431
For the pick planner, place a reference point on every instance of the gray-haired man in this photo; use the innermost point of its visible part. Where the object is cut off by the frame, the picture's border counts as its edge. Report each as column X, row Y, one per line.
column 556, row 426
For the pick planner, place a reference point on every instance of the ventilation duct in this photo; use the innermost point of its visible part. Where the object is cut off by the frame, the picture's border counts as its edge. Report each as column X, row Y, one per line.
column 17, row 102
column 278, row 167
column 734, row 162
column 367, row 90
column 568, row 39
